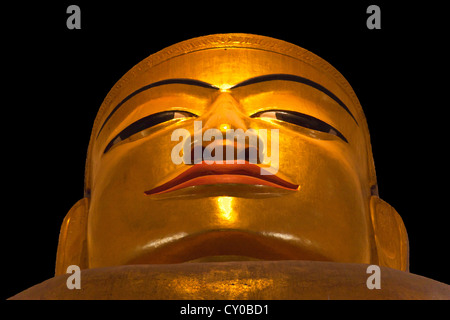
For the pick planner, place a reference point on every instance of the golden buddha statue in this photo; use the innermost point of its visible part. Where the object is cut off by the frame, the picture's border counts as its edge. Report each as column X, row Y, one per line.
column 290, row 211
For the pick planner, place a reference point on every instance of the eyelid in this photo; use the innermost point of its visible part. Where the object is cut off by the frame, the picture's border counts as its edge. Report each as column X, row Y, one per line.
column 148, row 122
column 300, row 119
column 181, row 114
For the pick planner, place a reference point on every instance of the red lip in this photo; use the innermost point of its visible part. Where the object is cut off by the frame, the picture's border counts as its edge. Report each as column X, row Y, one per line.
column 202, row 174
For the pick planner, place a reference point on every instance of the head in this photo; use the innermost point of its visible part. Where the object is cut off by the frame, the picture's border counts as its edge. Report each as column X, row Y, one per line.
column 156, row 190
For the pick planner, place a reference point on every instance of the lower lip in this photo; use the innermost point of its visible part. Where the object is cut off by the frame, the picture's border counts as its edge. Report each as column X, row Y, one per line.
column 220, row 179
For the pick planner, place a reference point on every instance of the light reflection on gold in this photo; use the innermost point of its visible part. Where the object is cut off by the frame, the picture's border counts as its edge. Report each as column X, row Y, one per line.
column 226, row 213
column 224, row 87
column 228, row 288
column 282, row 236
column 159, row 242
column 224, row 127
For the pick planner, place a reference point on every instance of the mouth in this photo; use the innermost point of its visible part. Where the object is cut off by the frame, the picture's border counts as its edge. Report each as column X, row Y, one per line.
column 227, row 173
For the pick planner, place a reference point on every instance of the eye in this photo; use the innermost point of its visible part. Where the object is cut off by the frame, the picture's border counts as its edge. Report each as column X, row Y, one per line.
column 300, row 119
column 147, row 122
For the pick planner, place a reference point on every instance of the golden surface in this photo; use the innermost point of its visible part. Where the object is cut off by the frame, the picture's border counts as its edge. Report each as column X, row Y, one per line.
column 326, row 219
column 334, row 215
column 263, row 280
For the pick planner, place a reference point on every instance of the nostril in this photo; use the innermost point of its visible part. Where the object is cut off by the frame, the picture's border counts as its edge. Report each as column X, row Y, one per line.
column 249, row 154
column 228, row 152
column 197, row 154
column 219, row 151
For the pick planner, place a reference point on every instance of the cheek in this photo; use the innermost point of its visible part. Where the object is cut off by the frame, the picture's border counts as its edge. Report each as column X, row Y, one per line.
column 137, row 165
column 118, row 203
column 331, row 205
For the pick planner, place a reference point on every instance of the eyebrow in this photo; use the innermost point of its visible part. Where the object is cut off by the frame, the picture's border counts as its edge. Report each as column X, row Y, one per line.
column 254, row 80
column 191, row 82
column 294, row 78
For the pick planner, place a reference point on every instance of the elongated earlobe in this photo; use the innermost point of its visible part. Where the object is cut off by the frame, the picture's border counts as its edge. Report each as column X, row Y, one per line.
column 72, row 245
column 391, row 238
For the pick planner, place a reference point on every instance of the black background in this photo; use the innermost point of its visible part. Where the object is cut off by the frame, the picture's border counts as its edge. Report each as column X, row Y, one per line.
column 57, row 79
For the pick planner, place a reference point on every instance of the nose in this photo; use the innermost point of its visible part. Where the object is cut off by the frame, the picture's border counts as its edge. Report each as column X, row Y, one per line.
column 224, row 113
column 224, row 134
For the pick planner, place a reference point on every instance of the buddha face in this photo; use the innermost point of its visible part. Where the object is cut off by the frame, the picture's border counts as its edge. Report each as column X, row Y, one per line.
column 147, row 208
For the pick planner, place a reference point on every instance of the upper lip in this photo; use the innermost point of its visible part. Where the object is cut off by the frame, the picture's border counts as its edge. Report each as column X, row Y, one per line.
column 246, row 173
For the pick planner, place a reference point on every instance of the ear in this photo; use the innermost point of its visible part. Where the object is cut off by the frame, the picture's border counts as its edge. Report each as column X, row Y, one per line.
column 72, row 245
column 391, row 238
